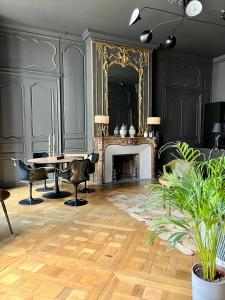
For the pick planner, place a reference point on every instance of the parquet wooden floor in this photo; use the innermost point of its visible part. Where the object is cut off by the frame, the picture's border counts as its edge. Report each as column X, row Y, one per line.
column 92, row 252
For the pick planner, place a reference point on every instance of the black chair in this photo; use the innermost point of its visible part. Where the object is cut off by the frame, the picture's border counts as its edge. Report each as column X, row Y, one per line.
column 94, row 158
column 28, row 175
column 76, row 172
column 48, row 167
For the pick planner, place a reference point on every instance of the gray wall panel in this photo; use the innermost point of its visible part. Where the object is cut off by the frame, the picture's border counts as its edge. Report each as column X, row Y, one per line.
column 33, row 52
column 74, row 97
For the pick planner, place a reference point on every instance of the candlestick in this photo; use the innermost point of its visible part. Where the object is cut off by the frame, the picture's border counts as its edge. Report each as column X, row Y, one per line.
column 49, row 145
column 53, row 145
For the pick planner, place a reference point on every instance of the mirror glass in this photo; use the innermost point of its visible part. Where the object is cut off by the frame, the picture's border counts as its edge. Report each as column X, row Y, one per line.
column 122, row 97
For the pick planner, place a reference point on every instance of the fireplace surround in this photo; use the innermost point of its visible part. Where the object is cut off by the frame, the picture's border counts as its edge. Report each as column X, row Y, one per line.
column 108, row 147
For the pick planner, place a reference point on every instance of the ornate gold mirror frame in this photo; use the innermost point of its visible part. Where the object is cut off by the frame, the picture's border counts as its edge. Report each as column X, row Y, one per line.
column 124, row 56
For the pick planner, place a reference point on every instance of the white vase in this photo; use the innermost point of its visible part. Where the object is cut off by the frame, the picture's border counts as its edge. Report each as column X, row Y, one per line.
column 123, row 131
column 116, row 131
column 132, row 131
column 146, row 134
column 205, row 290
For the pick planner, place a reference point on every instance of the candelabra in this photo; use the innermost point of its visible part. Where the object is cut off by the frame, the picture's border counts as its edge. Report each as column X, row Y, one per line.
column 51, row 145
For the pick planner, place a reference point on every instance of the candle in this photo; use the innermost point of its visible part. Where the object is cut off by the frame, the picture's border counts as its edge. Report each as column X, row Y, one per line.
column 49, row 145
column 53, row 145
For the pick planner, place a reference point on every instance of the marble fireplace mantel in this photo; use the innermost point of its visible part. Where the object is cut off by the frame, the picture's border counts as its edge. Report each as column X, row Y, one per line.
column 146, row 148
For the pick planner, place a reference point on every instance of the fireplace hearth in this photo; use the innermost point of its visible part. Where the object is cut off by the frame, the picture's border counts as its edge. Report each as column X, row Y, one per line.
column 125, row 167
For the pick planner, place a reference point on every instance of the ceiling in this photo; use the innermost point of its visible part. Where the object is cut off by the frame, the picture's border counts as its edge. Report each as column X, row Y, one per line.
column 112, row 16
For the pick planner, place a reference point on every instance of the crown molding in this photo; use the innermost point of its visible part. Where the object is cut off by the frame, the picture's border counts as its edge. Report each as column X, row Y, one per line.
column 41, row 32
column 91, row 34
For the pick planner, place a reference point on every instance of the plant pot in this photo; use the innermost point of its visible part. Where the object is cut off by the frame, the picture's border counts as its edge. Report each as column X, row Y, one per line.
column 220, row 256
column 205, row 290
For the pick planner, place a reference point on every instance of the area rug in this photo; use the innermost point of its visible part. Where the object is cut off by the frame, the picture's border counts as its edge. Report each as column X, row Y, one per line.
column 136, row 206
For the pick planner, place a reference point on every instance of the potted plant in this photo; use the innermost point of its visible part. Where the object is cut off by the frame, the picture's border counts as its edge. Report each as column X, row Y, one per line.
column 199, row 194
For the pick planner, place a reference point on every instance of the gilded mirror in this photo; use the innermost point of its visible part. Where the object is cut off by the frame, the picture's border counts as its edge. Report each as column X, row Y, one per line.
column 124, row 60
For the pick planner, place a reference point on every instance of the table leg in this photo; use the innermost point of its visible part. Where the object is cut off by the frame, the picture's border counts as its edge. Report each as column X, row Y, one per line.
column 6, row 215
column 56, row 194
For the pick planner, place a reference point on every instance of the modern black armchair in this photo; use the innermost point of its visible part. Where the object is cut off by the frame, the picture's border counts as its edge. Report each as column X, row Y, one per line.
column 76, row 172
column 48, row 167
column 93, row 157
column 28, row 175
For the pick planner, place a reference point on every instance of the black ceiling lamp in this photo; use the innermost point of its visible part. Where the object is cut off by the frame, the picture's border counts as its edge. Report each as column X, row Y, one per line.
column 191, row 8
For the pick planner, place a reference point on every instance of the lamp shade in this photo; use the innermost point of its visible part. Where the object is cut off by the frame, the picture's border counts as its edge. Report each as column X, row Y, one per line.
column 101, row 119
column 135, row 17
column 194, row 8
column 218, row 128
column 153, row 120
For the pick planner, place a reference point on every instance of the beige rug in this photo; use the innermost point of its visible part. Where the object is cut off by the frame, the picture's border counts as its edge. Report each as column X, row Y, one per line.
column 136, row 206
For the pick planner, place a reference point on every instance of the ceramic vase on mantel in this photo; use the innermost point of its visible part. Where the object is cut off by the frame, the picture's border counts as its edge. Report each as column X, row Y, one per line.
column 123, row 131
column 116, row 131
column 132, row 131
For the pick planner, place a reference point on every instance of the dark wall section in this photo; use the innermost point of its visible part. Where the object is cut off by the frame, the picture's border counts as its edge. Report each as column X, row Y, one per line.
column 181, row 88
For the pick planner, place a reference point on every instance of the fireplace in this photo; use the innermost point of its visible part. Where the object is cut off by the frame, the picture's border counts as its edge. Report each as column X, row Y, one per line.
column 138, row 155
column 125, row 167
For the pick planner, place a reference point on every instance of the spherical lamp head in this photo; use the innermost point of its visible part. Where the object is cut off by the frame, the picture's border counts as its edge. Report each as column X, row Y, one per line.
column 193, row 8
column 146, row 36
column 170, row 42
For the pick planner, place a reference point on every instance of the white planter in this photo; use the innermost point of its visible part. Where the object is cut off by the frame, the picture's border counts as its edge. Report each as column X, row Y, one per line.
column 220, row 256
column 204, row 290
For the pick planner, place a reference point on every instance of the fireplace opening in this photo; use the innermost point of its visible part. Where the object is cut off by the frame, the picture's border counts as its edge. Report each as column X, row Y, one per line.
column 125, row 167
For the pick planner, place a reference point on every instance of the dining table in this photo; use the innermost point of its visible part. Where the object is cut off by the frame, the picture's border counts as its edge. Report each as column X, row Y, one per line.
column 57, row 162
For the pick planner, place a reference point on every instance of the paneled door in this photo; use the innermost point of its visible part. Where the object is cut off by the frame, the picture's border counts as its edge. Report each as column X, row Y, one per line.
column 43, row 115
column 182, row 116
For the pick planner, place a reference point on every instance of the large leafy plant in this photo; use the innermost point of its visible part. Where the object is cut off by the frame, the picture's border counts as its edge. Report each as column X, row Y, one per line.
column 199, row 194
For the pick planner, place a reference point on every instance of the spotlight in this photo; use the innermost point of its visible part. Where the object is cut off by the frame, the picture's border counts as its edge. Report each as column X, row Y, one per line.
column 135, row 17
column 194, row 8
column 146, row 36
column 223, row 14
column 170, row 42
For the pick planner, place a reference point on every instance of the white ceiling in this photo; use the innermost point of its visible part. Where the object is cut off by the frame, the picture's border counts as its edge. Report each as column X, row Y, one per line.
column 112, row 16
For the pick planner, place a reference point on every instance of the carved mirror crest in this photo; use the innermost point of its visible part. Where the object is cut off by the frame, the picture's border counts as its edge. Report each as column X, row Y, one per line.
column 123, row 57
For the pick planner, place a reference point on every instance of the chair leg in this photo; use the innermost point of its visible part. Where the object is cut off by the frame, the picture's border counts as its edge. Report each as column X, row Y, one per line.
column 86, row 189
column 76, row 201
column 45, row 188
column 31, row 200
column 7, row 217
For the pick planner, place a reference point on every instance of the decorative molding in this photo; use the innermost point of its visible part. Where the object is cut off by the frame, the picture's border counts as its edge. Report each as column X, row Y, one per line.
column 111, row 38
column 33, row 41
column 3, row 85
column 41, row 85
column 137, row 58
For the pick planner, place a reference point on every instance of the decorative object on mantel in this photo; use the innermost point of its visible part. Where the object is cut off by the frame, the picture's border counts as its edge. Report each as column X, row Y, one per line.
column 132, row 131
column 123, row 131
column 136, row 205
column 153, row 121
column 191, row 8
column 146, row 133
column 51, row 145
column 102, row 121
column 116, row 131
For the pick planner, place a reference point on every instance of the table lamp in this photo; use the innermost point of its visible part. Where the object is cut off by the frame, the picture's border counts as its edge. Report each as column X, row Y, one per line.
column 219, row 130
column 153, row 121
column 102, row 121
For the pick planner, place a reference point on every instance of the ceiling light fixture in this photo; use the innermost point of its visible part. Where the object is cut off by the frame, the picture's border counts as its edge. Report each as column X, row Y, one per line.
column 191, row 8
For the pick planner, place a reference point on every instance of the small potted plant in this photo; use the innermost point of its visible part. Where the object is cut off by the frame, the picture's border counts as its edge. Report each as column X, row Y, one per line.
column 199, row 194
